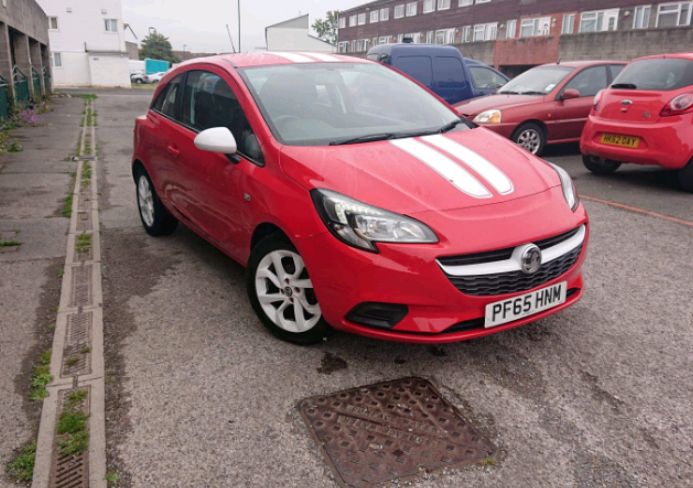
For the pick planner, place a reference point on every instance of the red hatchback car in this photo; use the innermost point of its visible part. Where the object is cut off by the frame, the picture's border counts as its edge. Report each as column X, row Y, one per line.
column 645, row 117
column 393, row 220
column 548, row 104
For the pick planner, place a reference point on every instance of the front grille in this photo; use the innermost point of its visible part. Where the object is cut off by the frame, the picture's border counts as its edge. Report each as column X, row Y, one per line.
column 515, row 281
column 502, row 254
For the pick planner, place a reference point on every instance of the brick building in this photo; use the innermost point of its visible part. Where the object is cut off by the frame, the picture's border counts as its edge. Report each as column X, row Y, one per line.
column 516, row 34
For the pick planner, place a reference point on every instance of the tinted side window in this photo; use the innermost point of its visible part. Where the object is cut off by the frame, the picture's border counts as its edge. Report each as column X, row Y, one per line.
column 448, row 69
column 589, row 81
column 418, row 67
column 209, row 102
column 166, row 102
column 615, row 70
column 486, row 78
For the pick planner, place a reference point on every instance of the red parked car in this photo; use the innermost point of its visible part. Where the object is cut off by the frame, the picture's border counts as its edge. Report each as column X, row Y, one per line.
column 393, row 220
column 548, row 104
column 645, row 117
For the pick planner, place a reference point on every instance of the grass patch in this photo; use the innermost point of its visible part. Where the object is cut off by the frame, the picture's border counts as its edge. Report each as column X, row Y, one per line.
column 74, row 443
column 41, row 377
column 85, row 350
column 88, row 96
column 83, row 243
column 75, row 399
column 112, row 477
column 21, row 467
column 489, row 461
column 73, row 435
column 72, row 360
column 9, row 243
column 86, row 173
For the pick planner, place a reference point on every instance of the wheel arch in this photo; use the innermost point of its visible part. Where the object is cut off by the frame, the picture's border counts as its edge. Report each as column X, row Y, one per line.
column 538, row 122
column 264, row 230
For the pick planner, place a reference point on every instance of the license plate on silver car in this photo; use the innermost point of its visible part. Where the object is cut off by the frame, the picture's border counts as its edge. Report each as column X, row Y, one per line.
column 521, row 306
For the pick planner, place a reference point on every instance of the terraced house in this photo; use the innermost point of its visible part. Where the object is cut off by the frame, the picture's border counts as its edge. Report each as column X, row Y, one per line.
column 517, row 34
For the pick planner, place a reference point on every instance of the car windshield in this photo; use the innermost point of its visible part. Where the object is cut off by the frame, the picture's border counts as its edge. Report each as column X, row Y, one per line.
column 344, row 103
column 537, row 81
column 656, row 74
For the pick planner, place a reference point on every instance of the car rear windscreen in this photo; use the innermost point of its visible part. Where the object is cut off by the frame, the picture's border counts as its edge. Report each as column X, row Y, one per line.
column 656, row 74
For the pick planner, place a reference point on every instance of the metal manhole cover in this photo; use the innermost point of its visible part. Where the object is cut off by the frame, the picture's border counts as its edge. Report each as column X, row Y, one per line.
column 377, row 433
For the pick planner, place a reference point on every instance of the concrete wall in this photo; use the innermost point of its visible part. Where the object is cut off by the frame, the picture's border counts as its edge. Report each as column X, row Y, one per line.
column 625, row 45
column 74, row 71
column 27, row 17
column 109, row 70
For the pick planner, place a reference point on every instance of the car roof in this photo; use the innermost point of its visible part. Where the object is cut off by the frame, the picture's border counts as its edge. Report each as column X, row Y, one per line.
column 410, row 48
column 269, row 58
column 671, row 55
column 582, row 64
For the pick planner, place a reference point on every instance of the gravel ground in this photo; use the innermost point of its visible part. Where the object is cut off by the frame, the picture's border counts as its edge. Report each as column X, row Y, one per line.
column 200, row 395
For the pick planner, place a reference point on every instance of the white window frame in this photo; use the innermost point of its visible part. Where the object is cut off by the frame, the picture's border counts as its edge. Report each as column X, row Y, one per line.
column 429, row 37
column 467, row 34
column 677, row 11
column 110, row 23
column 342, row 22
column 465, row 3
column 429, row 6
column 361, row 18
column 538, row 24
column 644, row 17
column 373, row 17
column 343, row 47
column 444, row 36
column 568, row 26
column 383, row 39
column 511, row 29
column 482, row 1
column 601, row 19
column 399, row 11
column 57, row 60
column 353, row 20
column 53, row 20
column 412, row 9
column 443, row 4
column 384, row 14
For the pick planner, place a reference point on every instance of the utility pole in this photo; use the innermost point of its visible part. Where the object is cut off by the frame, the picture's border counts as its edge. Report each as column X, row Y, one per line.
column 228, row 31
column 239, row 26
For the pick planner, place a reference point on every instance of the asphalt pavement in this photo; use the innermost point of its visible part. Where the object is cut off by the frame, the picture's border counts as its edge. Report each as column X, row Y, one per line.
column 198, row 394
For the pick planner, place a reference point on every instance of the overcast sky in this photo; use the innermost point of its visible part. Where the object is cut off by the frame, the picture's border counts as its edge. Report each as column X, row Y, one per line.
column 201, row 24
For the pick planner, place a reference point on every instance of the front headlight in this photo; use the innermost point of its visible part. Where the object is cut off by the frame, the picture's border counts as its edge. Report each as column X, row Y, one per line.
column 569, row 191
column 362, row 225
column 489, row 117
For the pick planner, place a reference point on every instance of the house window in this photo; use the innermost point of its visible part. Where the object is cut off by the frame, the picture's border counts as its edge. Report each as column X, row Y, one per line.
column 599, row 20
column 384, row 14
column 510, row 29
column 399, row 11
column 482, row 1
column 362, row 19
column 443, row 4
column 343, row 47
column 465, row 3
column 374, row 16
column 485, row 32
column 414, row 36
column 111, row 25
column 57, row 60
column 674, row 14
column 568, row 24
column 361, row 45
column 445, row 36
column 467, row 33
column 641, row 17
column 429, row 37
column 411, row 9
column 53, row 23
column 429, row 6
column 342, row 22
column 535, row 27
column 352, row 20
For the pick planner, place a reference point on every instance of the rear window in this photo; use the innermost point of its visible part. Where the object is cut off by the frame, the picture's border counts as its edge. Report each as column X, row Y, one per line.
column 656, row 74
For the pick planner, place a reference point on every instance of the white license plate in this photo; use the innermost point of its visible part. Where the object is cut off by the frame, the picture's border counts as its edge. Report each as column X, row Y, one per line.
column 515, row 308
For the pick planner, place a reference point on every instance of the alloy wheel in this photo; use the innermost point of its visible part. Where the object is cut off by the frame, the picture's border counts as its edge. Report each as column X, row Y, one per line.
column 145, row 199
column 285, row 291
column 530, row 139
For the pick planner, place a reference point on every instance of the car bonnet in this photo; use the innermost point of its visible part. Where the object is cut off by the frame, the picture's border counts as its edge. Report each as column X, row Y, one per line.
column 440, row 172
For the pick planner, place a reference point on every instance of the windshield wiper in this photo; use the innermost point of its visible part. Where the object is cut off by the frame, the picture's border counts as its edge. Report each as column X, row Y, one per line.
column 532, row 92
column 628, row 86
column 365, row 138
column 449, row 127
column 508, row 92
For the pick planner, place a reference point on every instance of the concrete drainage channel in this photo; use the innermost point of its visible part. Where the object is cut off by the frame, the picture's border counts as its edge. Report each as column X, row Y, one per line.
column 71, row 442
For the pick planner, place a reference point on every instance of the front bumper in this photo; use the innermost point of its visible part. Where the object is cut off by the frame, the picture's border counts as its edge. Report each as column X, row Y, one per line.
column 668, row 144
column 437, row 312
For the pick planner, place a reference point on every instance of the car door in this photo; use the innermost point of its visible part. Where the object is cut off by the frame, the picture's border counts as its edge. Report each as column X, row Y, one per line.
column 486, row 80
column 450, row 80
column 161, row 142
column 568, row 116
column 217, row 180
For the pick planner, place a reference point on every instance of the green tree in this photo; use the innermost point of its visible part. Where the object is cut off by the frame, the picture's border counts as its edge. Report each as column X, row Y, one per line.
column 327, row 27
column 157, row 46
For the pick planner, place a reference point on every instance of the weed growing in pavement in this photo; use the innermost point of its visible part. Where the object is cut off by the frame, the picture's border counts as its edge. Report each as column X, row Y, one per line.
column 83, row 243
column 14, row 146
column 88, row 96
column 73, row 436
column 85, row 350
column 111, row 478
column 41, row 377
column 72, row 360
column 86, row 173
column 10, row 243
column 21, row 467
column 28, row 118
column 67, row 206
column 488, row 462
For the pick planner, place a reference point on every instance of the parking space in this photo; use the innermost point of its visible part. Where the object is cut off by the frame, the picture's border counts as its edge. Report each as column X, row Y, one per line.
column 199, row 394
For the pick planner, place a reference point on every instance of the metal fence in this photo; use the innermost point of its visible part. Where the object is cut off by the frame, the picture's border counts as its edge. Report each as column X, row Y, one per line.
column 47, row 80
column 21, row 88
column 5, row 96
column 36, row 79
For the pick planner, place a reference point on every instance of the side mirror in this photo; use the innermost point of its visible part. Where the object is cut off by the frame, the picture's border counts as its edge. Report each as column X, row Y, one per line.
column 216, row 139
column 570, row 93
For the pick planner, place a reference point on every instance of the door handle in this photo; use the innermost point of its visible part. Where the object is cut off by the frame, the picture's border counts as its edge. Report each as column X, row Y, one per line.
column 173, row 150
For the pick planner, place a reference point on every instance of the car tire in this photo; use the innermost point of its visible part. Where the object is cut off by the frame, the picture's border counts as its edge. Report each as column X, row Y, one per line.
column 138, row 81
column 685, row 176
column 600, row 166
column 531, row 137
column 156, row 219
column 279, row 295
